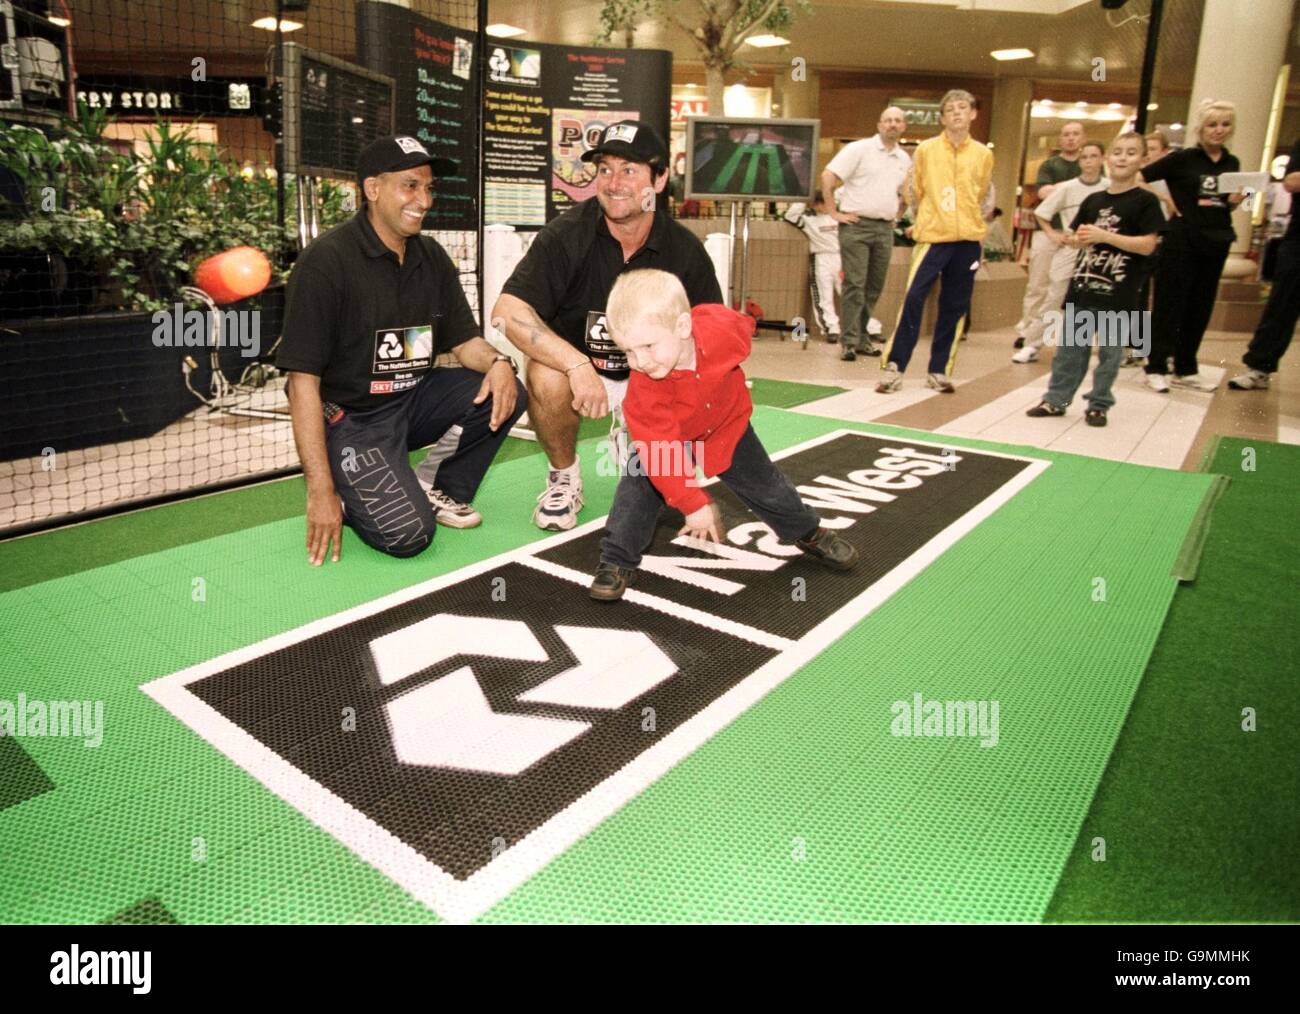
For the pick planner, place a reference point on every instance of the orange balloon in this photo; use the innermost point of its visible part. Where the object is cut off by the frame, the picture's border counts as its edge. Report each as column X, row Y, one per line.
column 234, row 275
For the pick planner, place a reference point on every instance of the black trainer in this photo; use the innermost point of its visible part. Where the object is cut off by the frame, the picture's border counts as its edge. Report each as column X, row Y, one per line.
column 611, row 582
column 829, row 550
column 847, row 356
column 1044, row 408
column 1095, row 417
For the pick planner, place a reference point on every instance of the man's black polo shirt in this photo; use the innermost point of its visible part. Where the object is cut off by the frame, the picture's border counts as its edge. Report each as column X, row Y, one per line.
column 573, row 263
column 366, row 325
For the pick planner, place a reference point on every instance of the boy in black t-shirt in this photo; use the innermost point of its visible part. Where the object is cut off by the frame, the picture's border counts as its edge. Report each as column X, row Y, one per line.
column 1115, row 232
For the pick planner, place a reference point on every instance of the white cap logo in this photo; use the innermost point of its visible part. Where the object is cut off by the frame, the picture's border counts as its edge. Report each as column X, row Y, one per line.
column 621, row 132
column 410, row 146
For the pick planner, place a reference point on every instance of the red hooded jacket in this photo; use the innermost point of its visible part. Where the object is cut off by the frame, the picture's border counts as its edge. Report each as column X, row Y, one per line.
column 709, row 404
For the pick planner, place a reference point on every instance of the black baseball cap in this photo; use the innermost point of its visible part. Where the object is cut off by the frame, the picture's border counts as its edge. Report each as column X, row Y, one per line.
column 631, row 140
column 393, row 154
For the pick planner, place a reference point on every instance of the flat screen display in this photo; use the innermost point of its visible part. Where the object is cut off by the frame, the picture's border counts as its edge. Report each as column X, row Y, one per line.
column 740, row 159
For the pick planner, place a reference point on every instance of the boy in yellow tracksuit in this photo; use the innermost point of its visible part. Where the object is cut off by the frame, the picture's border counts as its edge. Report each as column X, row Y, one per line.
column 951, row 175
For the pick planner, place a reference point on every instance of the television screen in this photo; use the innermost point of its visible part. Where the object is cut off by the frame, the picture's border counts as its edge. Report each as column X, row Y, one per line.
column 730, row 158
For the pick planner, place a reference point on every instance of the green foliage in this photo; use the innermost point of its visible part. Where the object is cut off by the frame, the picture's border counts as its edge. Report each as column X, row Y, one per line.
column 142, row 220
column 619, row 19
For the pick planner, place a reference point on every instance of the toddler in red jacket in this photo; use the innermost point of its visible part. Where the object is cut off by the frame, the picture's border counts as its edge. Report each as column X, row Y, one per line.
column 687, row 406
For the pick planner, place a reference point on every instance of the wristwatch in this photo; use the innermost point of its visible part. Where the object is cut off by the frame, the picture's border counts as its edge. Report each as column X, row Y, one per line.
column 504, row 359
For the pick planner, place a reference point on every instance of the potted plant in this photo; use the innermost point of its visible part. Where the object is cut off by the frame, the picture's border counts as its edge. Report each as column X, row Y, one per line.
column 93, row 241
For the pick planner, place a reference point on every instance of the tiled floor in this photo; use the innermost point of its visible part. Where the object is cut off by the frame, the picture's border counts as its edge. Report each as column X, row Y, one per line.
column 1167, row 430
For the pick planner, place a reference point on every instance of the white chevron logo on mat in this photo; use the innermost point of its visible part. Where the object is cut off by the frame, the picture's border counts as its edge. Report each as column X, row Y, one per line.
column 449, row 722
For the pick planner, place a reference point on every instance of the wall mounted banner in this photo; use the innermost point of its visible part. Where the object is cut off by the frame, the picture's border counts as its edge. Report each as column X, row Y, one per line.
column 542, row 107
column 437, row 97
column 546, row 105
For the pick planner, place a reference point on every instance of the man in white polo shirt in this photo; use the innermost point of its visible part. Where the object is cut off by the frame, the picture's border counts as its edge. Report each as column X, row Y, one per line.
column 872, row 172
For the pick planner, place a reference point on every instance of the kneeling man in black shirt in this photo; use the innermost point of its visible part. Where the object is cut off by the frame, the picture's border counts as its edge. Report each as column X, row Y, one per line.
column 370, row 305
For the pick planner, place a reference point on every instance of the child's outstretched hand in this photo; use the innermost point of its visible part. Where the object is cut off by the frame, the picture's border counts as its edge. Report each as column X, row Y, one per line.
column 705, row 523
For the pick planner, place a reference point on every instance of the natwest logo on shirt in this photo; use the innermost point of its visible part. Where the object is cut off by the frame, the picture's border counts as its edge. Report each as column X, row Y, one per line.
column 605, row 355
column 403, row 349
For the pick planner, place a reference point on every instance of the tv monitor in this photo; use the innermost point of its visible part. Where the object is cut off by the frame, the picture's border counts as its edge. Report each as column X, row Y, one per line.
column 732, row 158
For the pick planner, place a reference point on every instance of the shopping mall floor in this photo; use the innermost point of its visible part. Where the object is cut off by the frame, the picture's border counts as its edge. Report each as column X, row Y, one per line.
column 1171, row 430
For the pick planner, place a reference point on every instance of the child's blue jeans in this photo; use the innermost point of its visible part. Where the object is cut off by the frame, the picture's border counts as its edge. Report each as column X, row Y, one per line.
column 759, row 484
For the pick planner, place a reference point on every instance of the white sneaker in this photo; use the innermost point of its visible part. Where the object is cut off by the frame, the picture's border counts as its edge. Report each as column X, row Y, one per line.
column 452, row 513
column 940, row 383
column 1158, row 382
column 558, row 505
column 1193, row 382
column 1251, row 380
column 891, row 379
column 1028, row 354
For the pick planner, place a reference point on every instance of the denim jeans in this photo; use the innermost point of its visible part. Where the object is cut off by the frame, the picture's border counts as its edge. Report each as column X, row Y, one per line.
column 1070, row 366
column 760, row 485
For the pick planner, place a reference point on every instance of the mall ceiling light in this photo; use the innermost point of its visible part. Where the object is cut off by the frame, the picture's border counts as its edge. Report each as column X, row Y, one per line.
column 504, row 31
column 1012, row 54
column 60, row 20
column 268, row 25
column 1152, row 106
column 766, row 41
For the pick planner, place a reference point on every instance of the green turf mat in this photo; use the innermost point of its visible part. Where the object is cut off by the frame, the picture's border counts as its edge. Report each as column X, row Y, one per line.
column 98, row 543
column 1197, row 814
column 804, row 808
column 788, row 394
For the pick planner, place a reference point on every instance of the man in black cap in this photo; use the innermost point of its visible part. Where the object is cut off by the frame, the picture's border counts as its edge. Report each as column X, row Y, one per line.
column 553, row 306
column 370, row 305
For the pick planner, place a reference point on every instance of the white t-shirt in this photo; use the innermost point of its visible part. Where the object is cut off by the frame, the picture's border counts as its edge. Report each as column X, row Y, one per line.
column 872, row 177
column 1065, row 199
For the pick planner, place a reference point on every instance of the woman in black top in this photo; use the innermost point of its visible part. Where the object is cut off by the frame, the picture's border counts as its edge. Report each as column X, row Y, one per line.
column 1195, row 245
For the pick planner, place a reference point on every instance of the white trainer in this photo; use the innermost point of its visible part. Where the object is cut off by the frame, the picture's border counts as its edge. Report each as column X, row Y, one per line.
column 940, row 383
column 1028, row 354
column 452, row 513
column 891, row 379
column 1158, row 382
column 1193, row 382
column 558, row 505
column 1251, row 380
